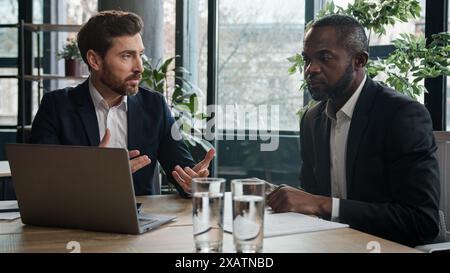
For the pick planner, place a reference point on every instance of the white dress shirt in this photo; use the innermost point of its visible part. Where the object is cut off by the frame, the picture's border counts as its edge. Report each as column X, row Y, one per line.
column 340, row 125
column 114, row 118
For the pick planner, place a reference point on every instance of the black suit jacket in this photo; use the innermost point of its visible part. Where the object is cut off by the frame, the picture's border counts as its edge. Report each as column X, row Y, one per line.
column 391, row 167
column 67, row 117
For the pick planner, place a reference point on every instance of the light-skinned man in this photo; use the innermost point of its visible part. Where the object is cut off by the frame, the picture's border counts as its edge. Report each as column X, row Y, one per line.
column 111, row 110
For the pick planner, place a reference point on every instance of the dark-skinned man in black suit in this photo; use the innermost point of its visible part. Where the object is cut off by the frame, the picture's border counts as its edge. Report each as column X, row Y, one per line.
column 368, row 152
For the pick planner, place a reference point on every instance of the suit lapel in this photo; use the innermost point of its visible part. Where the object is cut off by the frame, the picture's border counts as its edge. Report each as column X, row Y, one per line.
column 135, row 122
column 360, row 120
column 86, row 111
column 322, row 127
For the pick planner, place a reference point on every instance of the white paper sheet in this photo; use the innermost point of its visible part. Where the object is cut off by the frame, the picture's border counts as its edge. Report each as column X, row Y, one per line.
column 9, row 215
column 7, row 210
column 277, row 224
column 8, row 205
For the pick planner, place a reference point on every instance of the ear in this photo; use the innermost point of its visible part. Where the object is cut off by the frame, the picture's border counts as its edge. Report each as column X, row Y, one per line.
column 94, row 60
column 361, row 59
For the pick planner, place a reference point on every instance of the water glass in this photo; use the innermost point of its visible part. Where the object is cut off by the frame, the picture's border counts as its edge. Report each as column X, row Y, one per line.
column 248, row 214
column 207, row 213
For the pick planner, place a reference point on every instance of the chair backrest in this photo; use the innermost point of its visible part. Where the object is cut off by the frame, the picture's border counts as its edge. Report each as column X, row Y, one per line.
column 443, row 155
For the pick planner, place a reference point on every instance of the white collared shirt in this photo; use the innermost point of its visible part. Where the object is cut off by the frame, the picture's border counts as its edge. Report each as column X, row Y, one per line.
column 114, row 118
column 340, row 125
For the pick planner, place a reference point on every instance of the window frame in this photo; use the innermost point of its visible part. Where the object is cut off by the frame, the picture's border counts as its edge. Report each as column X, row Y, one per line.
column 436, row 20
column 8, row 62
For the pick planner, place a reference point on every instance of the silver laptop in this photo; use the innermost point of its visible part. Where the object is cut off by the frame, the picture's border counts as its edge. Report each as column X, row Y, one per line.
column 77, row 187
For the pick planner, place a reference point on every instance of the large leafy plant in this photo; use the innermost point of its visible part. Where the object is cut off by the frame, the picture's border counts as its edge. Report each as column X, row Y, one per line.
column 181, row 97
column 411, row 61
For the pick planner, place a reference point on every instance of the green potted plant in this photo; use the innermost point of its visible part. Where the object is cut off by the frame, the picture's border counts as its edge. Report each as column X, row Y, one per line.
column 72, row 57
column 181, row 98
column 412, row 60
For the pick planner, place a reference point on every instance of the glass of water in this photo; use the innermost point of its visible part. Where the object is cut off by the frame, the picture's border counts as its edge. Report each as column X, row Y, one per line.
column 248, row 214
column 207, row 213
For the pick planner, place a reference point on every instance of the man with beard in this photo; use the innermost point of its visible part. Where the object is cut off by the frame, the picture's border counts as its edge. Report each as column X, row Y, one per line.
column 368, row 152
column 112, row 107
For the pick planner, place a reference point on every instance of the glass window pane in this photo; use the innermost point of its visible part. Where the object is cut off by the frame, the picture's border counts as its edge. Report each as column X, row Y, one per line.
column 8, row 71
column 169, row 40
column 72, row 12
column 79, row 11
column 255, row 40
column 169, row 28
column 8, row 44
column 448, row 78
column 8, row 98
column 76, row 12
column 416, row 26
column 202, row 36
column 195, row 45
column 10, row 11
column 37, row 12
column 195, row 51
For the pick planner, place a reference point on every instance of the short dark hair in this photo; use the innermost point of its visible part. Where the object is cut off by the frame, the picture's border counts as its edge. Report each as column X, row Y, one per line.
column 348, row 30
column 98, row 32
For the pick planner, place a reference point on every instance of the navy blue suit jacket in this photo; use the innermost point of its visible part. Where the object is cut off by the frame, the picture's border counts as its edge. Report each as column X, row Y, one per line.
column 67, row 117
column 391, row 167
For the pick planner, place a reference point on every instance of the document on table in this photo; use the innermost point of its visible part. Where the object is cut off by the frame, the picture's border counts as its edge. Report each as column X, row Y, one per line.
column 9, row 215
column 277, row 224
column 9, row 210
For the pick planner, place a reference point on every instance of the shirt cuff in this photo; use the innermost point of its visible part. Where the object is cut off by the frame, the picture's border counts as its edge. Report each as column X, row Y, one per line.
column 335, row 210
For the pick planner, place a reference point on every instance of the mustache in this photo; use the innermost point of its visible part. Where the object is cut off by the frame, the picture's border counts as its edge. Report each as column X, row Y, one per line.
column 314, row 79
column 137, row 76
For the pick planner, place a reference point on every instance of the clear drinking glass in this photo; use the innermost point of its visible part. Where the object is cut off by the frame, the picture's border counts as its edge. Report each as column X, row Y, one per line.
column 207, row 213
column 248, row 214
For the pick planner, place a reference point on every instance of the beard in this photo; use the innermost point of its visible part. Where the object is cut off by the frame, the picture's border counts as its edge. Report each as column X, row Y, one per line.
column 121, row 87
column 334, row 91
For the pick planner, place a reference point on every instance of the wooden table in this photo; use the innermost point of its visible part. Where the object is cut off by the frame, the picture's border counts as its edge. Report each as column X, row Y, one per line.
column 176, row 236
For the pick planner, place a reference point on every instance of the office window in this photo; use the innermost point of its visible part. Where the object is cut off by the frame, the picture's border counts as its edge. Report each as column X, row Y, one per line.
column 38, row 11
column 169, row 18
column 10, row 11
column 79, row 11
column 185, row 35
column 8, row 59
column 254, row 89
column 195, row 51
column 448, row 78
column 202, row 46
column 73, row 12
column 255, row 39
column 8, row 98
column 169, row 28
column 416, row 25
column 8, row 45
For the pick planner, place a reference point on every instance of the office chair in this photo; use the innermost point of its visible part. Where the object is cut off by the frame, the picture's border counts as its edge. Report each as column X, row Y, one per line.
column 442, row 241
